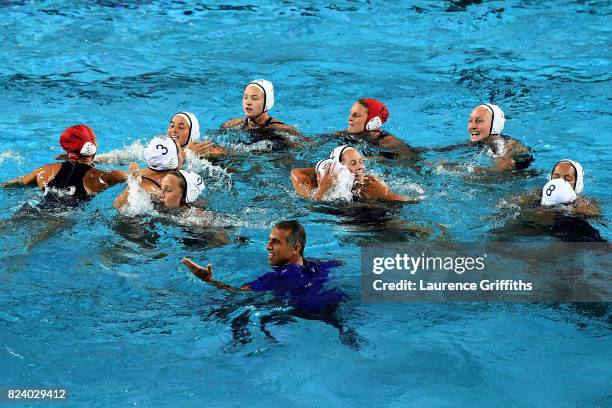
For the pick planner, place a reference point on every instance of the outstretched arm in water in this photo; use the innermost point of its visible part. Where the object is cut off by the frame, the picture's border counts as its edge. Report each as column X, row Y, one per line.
column 96, row 180
column 207, row 149
column 587, row 207
column 374, row 189
column 394, row 144
column 304, row 181
column 39, row 177
column 206, row 274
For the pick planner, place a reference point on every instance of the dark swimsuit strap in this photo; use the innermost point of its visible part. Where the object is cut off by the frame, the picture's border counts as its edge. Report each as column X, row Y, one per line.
column 270, row 121
column 152, row 181
column 382, row 135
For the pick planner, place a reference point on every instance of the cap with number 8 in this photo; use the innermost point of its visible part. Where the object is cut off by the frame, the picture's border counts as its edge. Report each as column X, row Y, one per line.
column 557, row 191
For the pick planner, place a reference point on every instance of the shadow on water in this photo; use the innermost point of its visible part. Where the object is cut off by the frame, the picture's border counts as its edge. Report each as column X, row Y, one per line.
column 547, row 222
column 146, row 232
column 242, row 313
column 40, row 221
column 372, row 223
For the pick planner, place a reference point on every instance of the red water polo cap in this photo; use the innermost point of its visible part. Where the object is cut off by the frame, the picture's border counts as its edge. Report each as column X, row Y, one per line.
column 78, row 140
column 377, row 114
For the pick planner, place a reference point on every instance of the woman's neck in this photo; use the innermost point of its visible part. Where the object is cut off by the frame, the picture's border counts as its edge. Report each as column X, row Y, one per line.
column 492, row 139
column 154, row 174
column 85, row 160
column 366, row 133
column 259, row 120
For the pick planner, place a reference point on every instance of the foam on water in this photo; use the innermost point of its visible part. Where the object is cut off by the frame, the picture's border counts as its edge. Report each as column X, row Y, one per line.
column 128, row 154
column 9, row 155
column 219, row 176
column 342, row 188
column 139, row 202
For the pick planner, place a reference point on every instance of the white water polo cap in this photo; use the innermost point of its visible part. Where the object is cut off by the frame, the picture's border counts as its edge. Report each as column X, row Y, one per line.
column 336, row 154
column 498, row 118
column 162, row 154
column 577, row 169
column 194, row 185
column 268, row 91
column 194, row 126
column 322, row 166
column 557, row 191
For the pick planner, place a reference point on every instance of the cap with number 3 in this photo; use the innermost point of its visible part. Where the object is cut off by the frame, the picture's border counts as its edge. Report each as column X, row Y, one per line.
column 162, row 154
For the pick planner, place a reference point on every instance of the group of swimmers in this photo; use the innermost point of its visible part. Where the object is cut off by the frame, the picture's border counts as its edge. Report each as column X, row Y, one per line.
column 294, row 280
column 342, row 174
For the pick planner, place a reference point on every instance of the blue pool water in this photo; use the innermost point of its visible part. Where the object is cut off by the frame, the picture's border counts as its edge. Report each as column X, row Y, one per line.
column 99, row 303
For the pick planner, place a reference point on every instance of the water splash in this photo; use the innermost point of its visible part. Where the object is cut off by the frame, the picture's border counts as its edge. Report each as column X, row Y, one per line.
column 261, row 146
column 218, row 175
column 129, row 153
column 342, row 188
column 11, row 155
column 139, row 202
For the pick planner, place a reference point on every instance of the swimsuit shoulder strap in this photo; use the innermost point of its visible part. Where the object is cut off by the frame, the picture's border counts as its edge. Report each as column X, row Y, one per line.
column 152, row 181
column 272, row 121
column 382, row 135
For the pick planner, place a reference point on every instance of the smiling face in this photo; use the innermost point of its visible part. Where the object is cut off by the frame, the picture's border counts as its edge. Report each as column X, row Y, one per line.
column 353, row 161
column 253, row 101
column 479, row 125
column 179, row 129
column 357, row 118
column 279, row 251
column 171, row 193
column 565, row 171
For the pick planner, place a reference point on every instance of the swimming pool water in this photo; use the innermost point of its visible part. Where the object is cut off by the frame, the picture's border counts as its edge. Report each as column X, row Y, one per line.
column 99, row 303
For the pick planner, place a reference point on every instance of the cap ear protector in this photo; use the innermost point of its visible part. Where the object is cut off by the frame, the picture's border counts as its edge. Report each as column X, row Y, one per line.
column 323, row 165
column 557, row 191
column 194, row 185
column 377, row 114
column 89, row 149
column 498, row 119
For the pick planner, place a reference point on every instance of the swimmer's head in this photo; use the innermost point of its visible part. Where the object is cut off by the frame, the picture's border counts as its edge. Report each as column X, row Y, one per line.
column 79, row 141
column 184, row 127
column 172, row 188
column 570, row 171
column 286, row 243
column 485, row 120
column 557, row 191
column 367, row 114
column 258, row 97
column 164, row 153
column 180, row 188
column 349, row 157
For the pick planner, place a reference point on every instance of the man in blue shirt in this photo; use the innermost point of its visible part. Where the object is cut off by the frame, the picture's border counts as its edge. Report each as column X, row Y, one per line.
column 294, row 280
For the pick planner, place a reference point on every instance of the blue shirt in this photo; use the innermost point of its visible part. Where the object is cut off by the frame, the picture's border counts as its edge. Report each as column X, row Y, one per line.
column 301, row 285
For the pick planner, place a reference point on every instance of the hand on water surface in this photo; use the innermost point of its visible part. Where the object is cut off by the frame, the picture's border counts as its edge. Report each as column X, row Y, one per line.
column 133, row 169
column 505, row 163
column 207, row 149
column 203, row 273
